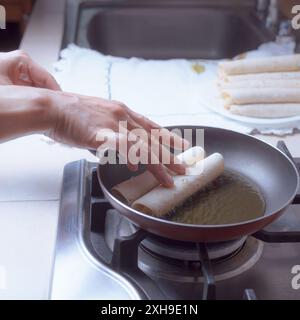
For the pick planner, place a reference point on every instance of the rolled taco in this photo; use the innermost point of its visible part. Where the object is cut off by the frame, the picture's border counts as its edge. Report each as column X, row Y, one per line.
column 289, row 75
column 159, row 201
column 268, row 110
column 258, row 65
column 263, row 83
column 130, row 190
column 241, row 96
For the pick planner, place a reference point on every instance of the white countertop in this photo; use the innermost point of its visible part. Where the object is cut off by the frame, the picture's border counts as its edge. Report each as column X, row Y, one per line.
column 30, row 179
column 27, row 240
column 31, row 171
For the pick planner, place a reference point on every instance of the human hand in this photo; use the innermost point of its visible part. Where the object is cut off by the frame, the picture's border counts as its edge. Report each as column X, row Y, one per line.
column 88, row 122
column 17, row 68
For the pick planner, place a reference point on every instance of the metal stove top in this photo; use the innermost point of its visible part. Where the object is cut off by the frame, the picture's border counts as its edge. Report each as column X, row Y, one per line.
column 101, row 255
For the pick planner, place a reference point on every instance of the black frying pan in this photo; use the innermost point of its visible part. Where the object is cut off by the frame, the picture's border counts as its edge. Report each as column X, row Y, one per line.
column 270, row 169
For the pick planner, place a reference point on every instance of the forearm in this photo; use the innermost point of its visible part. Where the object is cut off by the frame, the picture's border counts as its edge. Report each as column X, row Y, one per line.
column 24, row 111
column 78, row 120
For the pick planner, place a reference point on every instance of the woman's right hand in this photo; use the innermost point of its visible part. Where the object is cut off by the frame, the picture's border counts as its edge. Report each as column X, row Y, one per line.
column 91, row 123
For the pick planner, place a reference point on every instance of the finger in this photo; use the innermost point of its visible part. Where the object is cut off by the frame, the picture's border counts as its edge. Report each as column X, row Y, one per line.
column 161, row 174
column 166, row 137
column 166, row 157
column 116, row 140
column 31, row 73
column 108, row 139
column 159, row 171
column 5, row 81
column 42, row 78
column 22, row 75
column 162, row 153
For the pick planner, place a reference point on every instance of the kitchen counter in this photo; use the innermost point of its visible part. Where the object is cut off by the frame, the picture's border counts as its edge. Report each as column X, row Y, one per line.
column 29, row 194
column 31, row 171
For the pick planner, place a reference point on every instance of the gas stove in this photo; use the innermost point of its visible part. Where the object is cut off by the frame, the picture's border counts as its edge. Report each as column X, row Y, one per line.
column 101, row 255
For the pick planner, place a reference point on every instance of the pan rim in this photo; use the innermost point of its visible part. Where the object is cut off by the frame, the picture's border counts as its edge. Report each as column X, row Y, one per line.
column 210, row 226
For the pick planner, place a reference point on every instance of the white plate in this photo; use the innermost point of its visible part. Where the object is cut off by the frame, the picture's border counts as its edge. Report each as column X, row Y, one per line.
column 212, row 101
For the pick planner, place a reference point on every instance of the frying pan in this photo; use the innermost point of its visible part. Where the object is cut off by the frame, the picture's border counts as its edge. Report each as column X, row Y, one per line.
column 265, row 166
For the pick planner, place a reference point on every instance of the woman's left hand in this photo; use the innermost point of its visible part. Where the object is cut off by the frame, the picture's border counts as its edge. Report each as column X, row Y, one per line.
column 17, row 68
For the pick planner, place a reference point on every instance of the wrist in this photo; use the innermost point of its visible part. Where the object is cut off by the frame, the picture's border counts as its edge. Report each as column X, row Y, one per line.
column 25, row 110
column 58, row 105
column 45, row 111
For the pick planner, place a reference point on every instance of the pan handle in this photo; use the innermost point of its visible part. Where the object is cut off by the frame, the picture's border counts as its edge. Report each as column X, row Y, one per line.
column 282, row 147
column 281, row 236
column 277, row 237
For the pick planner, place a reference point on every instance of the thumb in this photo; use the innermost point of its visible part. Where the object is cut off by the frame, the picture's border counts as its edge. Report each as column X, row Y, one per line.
column 22, row 76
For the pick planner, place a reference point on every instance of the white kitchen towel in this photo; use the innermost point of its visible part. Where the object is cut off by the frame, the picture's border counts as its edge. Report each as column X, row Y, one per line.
column 167, row 91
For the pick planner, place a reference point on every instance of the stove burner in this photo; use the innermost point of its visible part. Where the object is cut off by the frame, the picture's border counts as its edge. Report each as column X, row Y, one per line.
column 180, row 261
column 188, row 251
column 223, row 268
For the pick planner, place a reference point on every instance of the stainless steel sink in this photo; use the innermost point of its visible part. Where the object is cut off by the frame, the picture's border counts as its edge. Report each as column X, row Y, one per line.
column 168, row 29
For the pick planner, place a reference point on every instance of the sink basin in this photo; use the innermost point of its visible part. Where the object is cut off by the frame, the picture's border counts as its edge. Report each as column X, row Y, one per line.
column 163, row 32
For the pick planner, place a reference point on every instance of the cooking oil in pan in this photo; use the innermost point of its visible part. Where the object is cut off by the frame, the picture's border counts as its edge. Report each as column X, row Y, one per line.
column 231, row 198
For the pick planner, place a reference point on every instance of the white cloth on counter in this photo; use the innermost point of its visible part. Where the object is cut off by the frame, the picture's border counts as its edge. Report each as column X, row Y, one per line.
column 167, row 91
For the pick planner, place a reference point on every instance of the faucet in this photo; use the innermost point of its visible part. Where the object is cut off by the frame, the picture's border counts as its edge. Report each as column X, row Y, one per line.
column 262, row 8
column 267, row 11
column 272, row 19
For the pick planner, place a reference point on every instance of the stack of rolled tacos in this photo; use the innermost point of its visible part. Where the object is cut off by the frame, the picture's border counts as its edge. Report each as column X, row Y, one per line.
column 262, row 87
column 145, row 194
